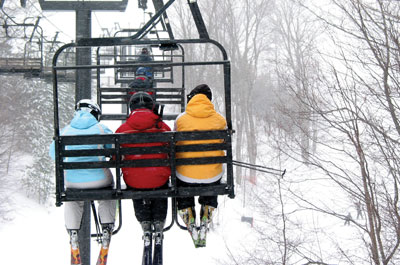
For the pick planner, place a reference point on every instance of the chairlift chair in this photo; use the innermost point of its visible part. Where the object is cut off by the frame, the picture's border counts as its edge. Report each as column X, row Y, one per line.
column 120, row 192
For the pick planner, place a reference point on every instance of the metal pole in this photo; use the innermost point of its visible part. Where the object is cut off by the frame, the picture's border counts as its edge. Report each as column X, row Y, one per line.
column 83, row 90
column 83, row 54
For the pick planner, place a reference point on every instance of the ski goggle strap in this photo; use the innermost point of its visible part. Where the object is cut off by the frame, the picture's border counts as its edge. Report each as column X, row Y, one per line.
column 92, row 109
column 87, row 105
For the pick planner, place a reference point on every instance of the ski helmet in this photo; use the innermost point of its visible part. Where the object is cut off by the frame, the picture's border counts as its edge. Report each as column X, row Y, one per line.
column 89, row 106
column 200, row 89
column 141, row 71
column 141, row 100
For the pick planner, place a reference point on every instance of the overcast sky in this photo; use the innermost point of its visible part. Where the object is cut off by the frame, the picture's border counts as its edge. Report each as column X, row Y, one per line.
column 64, row 21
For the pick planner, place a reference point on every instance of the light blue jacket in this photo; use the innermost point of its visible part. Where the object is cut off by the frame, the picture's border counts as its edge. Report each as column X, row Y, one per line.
column 85, row 123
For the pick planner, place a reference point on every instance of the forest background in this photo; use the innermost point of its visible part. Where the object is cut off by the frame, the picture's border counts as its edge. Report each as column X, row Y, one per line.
column 315, row 91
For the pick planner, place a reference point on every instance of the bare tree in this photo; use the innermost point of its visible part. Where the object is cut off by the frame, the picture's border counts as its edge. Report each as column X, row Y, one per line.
column 356, row 110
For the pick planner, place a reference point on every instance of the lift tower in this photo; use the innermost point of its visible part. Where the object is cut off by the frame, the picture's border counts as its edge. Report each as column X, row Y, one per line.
column 83, row 21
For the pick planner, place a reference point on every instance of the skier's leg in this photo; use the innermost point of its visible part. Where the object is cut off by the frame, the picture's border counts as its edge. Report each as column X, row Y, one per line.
column 142, row 209
column 188, row 216
column 147, row 230
column 158, row 242
column 107, row 210
column 186, row 210
column 208, row 206
column 147, row 242
column 107, row 233
column 207, row 213
column 158, row 232
column 105, row 243
column 74, row 241
column 143, row 215
column 73, row 212
column 159, row 211
column 73, row 216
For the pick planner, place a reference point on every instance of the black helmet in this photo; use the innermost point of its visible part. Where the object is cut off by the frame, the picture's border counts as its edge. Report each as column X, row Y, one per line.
column 89, row 106
column 141, row 100
column 200, row 89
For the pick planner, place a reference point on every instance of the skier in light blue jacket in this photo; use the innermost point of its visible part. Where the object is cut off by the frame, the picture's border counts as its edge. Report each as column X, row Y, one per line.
column 86, row 121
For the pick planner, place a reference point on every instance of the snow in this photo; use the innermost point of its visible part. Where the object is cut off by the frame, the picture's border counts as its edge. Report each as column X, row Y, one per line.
column 36, row 234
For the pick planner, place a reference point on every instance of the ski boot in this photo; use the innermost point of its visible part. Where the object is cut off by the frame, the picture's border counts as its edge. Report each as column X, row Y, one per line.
column 158, row 242
column 147, row 243
column 206, row 214
column 158, row 229
column 105, row 243
column 188, row 216
column 74, row 241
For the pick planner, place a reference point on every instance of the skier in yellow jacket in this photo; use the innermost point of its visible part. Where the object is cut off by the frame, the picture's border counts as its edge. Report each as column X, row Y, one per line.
column 200, row 115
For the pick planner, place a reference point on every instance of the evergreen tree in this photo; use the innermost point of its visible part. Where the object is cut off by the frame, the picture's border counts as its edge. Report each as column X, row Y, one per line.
column 39, row 177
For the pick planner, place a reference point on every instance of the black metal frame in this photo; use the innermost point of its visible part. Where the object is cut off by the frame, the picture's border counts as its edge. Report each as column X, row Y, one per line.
column 170, row 137
column 158, row 65
column 119, row 192
column 167, row 96
column 75, row 5
column 28, row 65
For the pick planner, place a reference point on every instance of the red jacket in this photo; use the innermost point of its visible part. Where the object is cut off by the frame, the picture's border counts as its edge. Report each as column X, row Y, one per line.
column 143, row 121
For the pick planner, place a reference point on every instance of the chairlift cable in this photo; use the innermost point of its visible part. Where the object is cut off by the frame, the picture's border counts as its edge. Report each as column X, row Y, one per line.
column 97, row 20
column 4, row 12
column 49, row 21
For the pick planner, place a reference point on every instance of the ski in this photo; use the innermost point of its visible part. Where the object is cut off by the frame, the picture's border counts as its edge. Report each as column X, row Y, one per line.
column 158, row 249
column 207, row 214
column 75, row 252
column 102, row 259
column 202, row 235
column 75, row 256
column 147, row 249
column 190, row 222
column 194, row 233
column 105, row 246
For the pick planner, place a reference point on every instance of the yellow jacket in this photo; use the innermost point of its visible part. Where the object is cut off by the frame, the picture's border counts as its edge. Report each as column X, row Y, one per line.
column 200, row 115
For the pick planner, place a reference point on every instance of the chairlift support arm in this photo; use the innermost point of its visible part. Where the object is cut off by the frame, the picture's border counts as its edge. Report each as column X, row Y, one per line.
column 34, row 29
column 198, row 19
column 158, row 5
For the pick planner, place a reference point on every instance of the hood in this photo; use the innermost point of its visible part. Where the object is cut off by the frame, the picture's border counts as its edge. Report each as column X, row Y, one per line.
column 83, row 120
column 142, row 119
column 200, row 107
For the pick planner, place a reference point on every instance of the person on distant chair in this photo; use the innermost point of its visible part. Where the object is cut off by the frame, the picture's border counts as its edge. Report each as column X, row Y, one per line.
column 200, row 115
column 142, row 82
column 145, row 57
column 86, row 121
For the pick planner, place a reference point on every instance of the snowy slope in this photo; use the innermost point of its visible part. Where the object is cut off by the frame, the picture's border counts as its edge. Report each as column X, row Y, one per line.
column 36, row 235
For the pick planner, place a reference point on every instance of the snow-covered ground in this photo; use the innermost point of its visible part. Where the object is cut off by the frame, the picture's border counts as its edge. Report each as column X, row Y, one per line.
column 36, row 235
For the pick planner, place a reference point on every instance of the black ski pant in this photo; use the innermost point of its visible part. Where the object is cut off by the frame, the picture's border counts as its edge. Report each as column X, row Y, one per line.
column 151, row 210
column 186, row 202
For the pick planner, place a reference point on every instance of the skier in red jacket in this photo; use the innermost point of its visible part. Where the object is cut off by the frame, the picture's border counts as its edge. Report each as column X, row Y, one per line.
column 151, row 213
